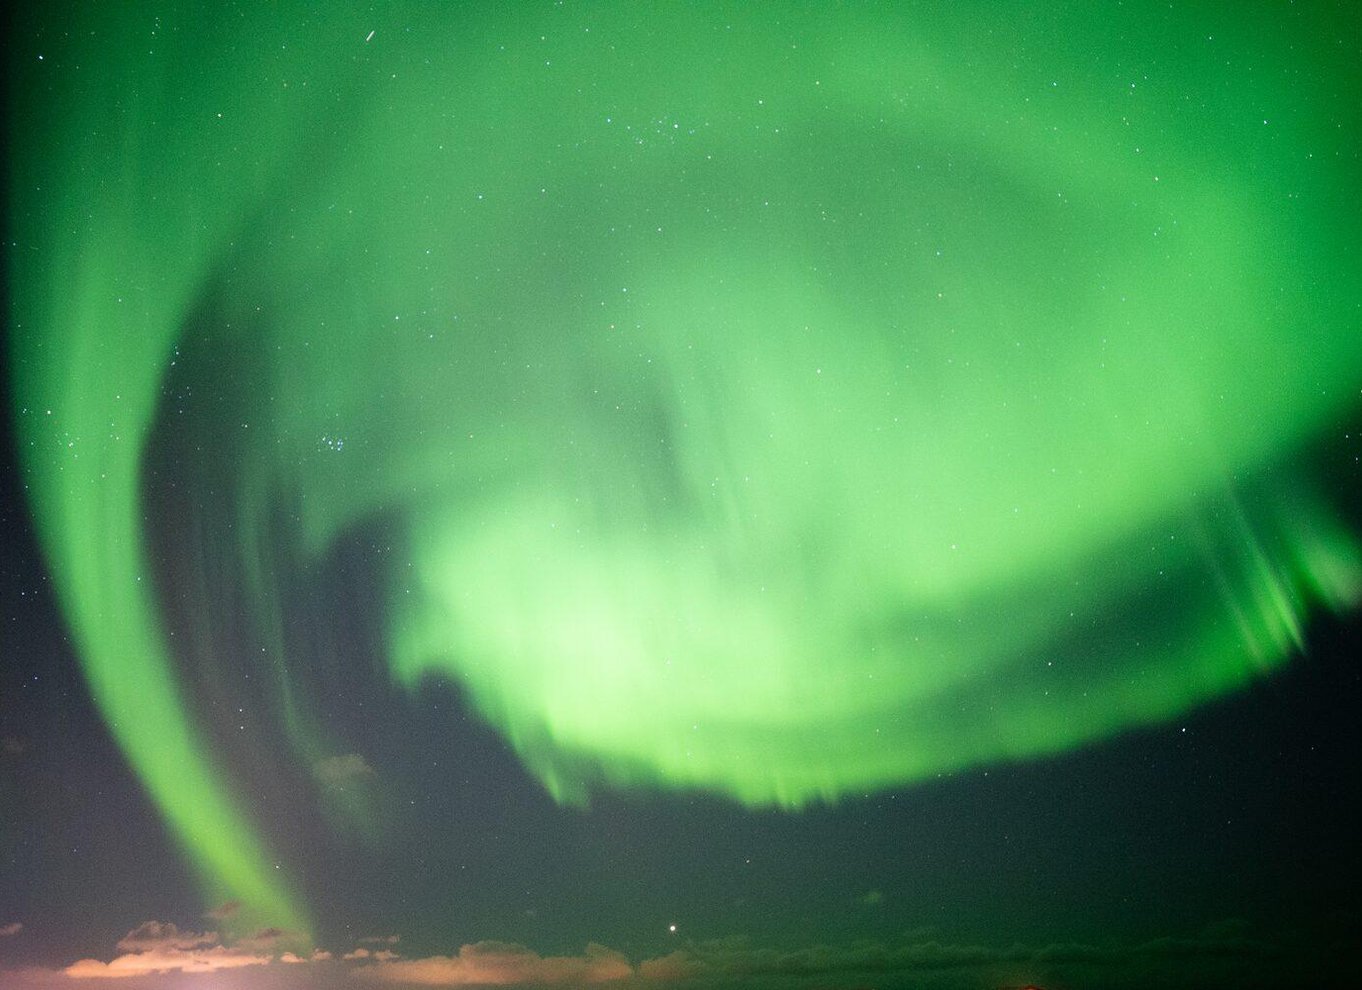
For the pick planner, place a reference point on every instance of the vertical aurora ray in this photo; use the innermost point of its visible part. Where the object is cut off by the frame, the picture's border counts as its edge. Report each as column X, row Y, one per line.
column 782, row 408
column 119, row 211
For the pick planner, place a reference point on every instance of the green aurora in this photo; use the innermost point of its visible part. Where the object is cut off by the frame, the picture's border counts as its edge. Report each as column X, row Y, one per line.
column 779, row 402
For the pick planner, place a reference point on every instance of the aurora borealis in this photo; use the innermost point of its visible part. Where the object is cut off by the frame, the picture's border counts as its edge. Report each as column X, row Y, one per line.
column 591, row 416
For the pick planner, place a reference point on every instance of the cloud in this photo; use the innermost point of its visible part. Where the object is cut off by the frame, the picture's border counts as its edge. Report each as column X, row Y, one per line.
column 341, row 771
column 914, row 962
column 151, row 961
column 293, row 959
column 223, row 911
column 503, row 963
column 678, row 965
column 160, row 947
column 158, row 956
column 13, row 928
column 268, row 940
column 871, row 898
column 381, row 955
column 154, row 935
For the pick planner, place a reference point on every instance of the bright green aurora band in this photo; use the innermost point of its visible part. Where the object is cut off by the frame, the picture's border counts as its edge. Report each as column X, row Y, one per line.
column 780, row 402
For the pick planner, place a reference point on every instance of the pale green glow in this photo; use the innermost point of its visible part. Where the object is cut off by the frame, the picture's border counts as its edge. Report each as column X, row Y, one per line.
column 780, row 407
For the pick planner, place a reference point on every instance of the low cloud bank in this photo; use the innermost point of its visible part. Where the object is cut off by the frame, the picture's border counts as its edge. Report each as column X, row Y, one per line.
column 161, row 956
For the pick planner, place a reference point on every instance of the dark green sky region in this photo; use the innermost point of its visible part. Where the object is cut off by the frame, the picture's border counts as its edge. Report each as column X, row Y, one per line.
column 681, row 495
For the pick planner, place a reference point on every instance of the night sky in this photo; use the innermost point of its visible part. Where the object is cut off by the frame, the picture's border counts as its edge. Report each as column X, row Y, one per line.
column 659, row 495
